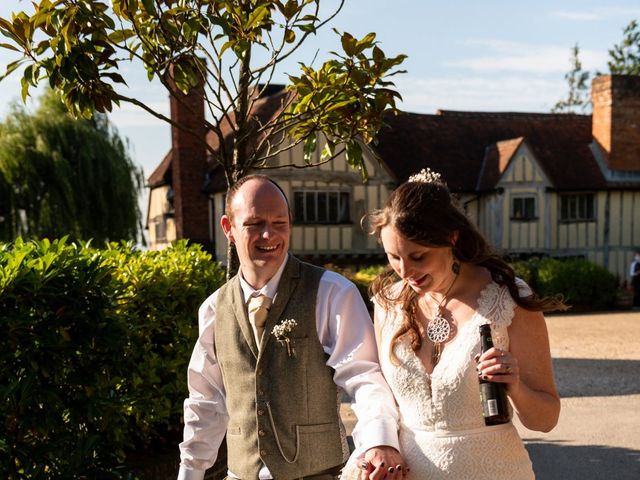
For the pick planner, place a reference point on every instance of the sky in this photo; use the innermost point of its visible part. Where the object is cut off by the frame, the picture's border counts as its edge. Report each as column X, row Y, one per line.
column 491, row 55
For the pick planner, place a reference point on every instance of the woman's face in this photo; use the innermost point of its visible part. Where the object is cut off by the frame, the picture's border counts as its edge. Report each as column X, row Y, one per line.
column 425, row 269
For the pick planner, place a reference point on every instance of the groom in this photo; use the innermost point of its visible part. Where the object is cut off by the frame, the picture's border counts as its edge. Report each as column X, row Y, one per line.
column 275, row 343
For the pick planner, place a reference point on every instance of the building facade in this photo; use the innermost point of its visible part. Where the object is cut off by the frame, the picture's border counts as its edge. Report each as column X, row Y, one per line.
column 561, row 185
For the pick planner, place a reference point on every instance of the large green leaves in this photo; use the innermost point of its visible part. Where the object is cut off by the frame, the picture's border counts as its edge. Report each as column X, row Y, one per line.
column 347, row 97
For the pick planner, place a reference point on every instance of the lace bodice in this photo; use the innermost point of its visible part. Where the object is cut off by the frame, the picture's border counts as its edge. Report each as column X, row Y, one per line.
column 448, row 398
column 442, row 432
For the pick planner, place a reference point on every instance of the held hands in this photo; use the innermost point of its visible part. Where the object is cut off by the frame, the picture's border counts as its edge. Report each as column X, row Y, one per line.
column 383, row 463
column 499, row 366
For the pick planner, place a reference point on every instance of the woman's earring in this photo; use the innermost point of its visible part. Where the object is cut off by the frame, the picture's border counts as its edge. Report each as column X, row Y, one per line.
column 455, row 267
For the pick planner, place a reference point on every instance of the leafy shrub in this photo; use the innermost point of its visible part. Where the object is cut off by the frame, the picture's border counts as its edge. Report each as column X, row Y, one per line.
column 94, row 352
column 584, row 285
column 161, row 292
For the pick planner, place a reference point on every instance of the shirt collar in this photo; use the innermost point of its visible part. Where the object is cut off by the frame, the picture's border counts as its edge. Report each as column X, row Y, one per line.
column 269, row 290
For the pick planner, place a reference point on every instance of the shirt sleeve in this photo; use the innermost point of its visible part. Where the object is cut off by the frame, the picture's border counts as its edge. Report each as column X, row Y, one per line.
column 346, row 333
column 205, row 410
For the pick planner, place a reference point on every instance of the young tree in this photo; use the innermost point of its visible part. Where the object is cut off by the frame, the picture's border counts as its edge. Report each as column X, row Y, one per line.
column 577, row 100
column 233, row 46
column 61, row 176
column 625, row 57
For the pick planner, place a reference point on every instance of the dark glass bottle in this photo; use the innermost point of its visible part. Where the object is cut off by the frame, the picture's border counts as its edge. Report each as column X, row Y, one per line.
column 495, row 406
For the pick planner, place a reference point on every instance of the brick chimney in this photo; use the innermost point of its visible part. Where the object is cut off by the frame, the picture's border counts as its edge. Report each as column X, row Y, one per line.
column 616, row 119
column 188, row 165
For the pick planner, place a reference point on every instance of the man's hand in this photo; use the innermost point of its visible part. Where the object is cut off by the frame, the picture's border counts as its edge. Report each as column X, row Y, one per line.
column 383, row 463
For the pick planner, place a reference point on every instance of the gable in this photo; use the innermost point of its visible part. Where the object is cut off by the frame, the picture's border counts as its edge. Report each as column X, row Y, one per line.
column 522, row 168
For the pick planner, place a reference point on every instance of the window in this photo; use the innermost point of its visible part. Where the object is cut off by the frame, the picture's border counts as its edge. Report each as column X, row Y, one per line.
column 161, row 231
column 321, row 207
column 523, row 208
column 577, row 208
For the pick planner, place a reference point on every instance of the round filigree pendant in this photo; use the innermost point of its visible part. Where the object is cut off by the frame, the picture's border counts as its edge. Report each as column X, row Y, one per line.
column 439, row 329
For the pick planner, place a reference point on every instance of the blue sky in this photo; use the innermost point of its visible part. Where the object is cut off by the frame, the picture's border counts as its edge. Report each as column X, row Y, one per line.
column 494, row 55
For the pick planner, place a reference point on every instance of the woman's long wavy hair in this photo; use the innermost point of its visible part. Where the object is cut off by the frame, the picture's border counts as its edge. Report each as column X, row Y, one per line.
column 425, row 213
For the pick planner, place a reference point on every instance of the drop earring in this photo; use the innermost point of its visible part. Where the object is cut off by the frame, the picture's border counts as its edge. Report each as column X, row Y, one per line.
column 455, row 268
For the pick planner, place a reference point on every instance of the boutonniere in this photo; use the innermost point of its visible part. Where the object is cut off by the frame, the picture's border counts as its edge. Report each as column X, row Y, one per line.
column 283, row 332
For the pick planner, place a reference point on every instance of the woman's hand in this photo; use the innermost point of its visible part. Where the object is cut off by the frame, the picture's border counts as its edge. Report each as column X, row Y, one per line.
column 499, row 366
column 383, row 463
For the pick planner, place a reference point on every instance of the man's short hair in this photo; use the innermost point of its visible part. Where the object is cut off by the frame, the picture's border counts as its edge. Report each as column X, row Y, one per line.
column 231, row 193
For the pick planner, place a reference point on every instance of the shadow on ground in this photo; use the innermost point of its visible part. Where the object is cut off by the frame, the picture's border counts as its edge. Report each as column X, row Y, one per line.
column 585, row 377
column 556, row 461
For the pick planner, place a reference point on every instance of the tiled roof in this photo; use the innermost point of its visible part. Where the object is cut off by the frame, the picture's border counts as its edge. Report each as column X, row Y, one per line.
column 470, row 149
column 162, row 174
column 458, row 144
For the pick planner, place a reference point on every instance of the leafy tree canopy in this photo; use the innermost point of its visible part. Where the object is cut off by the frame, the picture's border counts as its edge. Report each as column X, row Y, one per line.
column 233, row 46
column 624, row 59
column 577, row 80
column 625, row 56
column 61, row 176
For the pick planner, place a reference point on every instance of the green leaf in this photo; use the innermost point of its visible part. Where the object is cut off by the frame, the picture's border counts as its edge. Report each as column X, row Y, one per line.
column 348, row 44
column 149, row 7
column 9, row 47
column 11, row 67
column 290, row 36
column 309, row 148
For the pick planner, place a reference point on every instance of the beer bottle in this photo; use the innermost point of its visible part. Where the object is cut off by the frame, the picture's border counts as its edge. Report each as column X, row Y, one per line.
column 495, row 407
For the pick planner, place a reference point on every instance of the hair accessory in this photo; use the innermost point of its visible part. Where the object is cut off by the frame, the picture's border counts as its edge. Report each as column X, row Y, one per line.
column 426, row 175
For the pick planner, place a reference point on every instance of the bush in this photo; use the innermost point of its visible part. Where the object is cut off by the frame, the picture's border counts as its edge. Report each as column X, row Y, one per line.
column 94, row 353
column 584, row 285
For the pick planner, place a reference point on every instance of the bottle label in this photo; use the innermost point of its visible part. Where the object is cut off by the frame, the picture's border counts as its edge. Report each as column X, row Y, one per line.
column 492, row 406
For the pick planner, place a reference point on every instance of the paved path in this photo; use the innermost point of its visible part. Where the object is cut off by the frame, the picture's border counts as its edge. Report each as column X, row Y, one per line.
column 597, row 368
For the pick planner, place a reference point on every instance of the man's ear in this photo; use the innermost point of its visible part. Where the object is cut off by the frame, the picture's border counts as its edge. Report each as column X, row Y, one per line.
column 225, row 223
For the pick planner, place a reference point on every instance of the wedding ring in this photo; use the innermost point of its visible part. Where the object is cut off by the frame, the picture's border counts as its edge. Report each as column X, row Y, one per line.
column 364, row 465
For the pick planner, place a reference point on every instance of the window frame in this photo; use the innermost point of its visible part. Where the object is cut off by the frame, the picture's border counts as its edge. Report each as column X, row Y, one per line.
column 523, row 198
column 320, row 201
column 586, row 212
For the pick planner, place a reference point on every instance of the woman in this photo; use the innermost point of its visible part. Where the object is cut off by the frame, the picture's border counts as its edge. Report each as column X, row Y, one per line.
column 443, row 283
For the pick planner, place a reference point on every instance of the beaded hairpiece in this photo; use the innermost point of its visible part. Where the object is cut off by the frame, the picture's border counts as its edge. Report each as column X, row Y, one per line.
column 426, row 175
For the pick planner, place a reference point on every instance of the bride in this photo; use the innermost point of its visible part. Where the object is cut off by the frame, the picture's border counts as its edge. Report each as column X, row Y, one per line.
column 442, row 283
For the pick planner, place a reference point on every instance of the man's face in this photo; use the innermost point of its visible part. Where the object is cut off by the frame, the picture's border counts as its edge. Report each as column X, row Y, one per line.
column 259, row 226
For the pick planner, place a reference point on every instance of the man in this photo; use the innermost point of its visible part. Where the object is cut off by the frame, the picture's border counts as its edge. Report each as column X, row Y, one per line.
column 273, row 388
column 634, row 274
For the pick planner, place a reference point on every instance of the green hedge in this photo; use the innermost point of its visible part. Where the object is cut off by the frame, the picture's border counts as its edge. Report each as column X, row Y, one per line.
column 584, row 284
column 94, row 353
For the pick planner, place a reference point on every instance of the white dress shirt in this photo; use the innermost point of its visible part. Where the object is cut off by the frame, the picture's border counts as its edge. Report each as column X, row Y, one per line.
column 346, row 333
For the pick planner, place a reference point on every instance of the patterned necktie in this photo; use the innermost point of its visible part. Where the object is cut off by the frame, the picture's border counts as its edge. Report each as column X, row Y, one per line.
column 258, row 309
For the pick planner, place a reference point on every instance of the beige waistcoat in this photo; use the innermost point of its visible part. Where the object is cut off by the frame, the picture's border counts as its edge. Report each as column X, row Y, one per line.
column 283, row 410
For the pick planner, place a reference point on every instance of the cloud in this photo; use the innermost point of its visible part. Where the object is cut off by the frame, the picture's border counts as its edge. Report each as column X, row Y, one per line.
column 502, row 56
column 597, row 14
column 480, row 93
column 577, row 16
column 129, row 115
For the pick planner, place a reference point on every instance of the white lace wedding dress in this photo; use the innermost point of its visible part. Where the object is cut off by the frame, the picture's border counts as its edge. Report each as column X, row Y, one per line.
column 442, row 431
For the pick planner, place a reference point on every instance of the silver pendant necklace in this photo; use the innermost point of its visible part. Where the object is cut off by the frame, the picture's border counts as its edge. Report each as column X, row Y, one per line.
column 439, row 328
